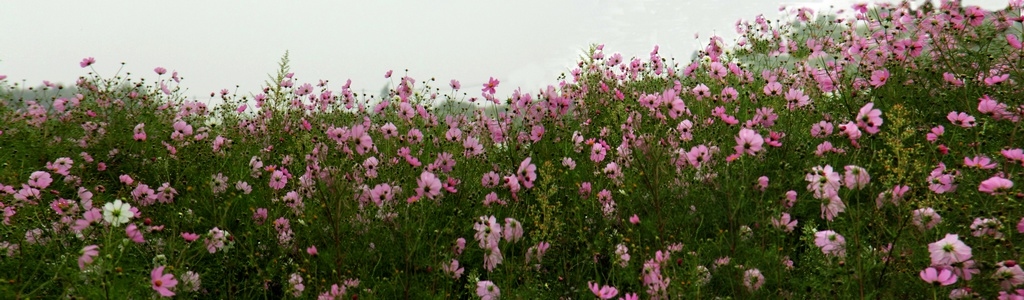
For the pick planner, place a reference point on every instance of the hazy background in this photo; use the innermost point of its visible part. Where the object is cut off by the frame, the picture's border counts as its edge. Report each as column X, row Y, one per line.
column 220, row 44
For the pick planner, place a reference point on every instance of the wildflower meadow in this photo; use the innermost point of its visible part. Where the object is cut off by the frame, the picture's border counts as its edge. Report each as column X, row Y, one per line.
column 819, row 157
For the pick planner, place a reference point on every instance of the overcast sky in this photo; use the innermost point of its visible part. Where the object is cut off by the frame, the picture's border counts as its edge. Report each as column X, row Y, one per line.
column 221, row 44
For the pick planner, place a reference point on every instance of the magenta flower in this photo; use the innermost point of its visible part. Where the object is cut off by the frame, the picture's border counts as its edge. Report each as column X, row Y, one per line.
column 602, row 292
column 636, row 219
column 995, row 185
column 162, row 283
column 88, row 254
column 949, row 250
column 941, row 277
column 88, row 61
column 830, row 242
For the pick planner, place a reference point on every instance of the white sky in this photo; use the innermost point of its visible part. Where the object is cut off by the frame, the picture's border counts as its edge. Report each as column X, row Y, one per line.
column 221, row 44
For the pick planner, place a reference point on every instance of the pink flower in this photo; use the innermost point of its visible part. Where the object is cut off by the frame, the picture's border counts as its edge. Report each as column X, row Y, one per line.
column 490, row 85
column 513, row 230
column 527, row 173
column 856, row 177
column 752, row 279
column 936, row 132
column 455, row 84
column 1014, row 41
column 597, row 152
column 160, row 70
column 986, row 226
column 460, row 245
column 453, row 269
column 762, row 183
column 773, row 88
column 126, row 179
column 134, row 234
column 869, row 119
column 40, row 179
column 88, row 61
column 830, row 242
column 1009, row 274
column 941, row 277
column 636, row 220
column 961, row 119
column 88, row 254
column 278, row 180
column 602, row 292
column 181, row 130
column 189, row 237
column 786, row 222
column 1020, row 226
column 1015, row 155
column 139, row 132
column 749, row 142
column 162, row 282
column 260, row 216
column 981, row 162
column 295, row 280
column 215, row 239
column 879, row 77
column 486, row 290
column 311, row 250
column 429, row 185
column 949, row 250
column 926, row 218
column 995, row 185
column 951, row 78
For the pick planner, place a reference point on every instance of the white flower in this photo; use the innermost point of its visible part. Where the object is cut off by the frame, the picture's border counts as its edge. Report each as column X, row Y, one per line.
column 117, row 213
column 214, row 122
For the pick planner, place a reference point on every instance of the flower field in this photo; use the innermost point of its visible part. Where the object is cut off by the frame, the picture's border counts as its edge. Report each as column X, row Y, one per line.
column 820, row 157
